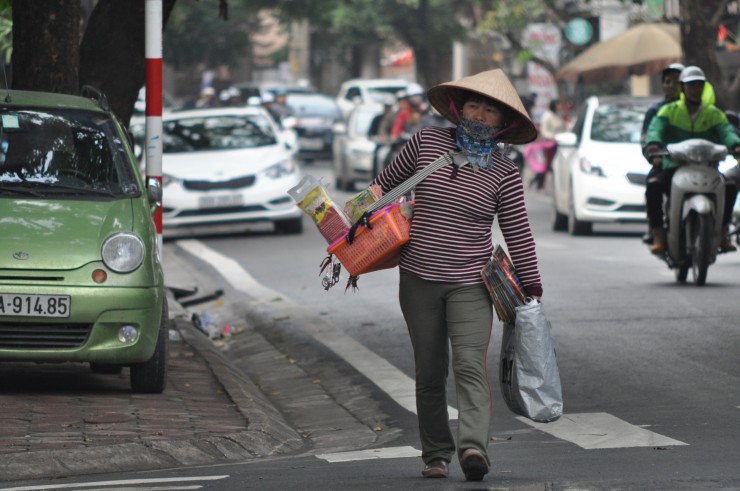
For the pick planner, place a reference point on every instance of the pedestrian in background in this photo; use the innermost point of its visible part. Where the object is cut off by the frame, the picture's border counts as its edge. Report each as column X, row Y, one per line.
column 551, row 123
column 536, row 155
column 207, row 98
column 442, row 295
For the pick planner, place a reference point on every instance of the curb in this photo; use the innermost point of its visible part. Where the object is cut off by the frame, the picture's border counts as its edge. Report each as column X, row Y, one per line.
column 267, row 432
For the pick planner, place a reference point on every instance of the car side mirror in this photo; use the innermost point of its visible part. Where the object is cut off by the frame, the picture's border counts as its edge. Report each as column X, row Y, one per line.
column 154, row 193
column 567, row 139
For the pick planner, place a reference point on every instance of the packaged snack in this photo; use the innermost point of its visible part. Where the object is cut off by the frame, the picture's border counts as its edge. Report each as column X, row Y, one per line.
column 358, row 204
column 313, row 199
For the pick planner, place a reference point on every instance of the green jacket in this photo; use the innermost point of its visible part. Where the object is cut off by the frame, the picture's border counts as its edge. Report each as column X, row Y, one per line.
column 673, row 124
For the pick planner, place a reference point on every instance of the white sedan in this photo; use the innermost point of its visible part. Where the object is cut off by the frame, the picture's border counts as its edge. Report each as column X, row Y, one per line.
column 226, row 167
column 599, row 171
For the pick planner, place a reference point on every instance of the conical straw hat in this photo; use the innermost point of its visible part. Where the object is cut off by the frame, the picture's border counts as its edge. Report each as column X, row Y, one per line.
column 493, row 84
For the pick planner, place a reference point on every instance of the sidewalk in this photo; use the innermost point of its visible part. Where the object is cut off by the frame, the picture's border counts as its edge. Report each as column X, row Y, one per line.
column 76, row 422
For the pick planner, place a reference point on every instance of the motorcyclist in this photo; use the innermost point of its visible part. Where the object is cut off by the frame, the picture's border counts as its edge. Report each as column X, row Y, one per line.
column 671, row 92
column 677, row 121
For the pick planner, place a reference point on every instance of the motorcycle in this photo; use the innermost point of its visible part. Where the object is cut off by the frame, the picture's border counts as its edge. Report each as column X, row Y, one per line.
column 693, row 211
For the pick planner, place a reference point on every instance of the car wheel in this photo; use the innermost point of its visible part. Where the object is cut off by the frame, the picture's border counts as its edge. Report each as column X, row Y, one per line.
column 150, row 377
column 576, row 226
column 106, row 368
column 343, row 185
column 560, row 223
column 290, row 226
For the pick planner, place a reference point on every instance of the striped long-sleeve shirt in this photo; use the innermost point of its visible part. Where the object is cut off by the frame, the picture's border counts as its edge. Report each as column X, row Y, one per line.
column 451, row 231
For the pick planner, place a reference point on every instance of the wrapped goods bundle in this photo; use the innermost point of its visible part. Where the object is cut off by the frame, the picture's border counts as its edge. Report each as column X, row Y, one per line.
column 313, row 199
column 504, row 285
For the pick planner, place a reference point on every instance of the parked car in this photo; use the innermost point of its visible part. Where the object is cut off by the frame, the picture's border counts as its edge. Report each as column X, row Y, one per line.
column 225, row 167
column 168, row 103
column 80, row 277
column 599, row 172
column 357, row 156
column 313, row 116
column 261, row 89
column 369, row 90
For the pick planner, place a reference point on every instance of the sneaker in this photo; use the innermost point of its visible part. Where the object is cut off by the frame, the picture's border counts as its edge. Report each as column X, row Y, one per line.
column 436, row 468
column 474, row 465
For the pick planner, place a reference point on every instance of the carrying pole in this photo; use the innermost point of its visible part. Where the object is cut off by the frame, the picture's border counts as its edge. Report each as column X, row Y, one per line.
column 153, row 54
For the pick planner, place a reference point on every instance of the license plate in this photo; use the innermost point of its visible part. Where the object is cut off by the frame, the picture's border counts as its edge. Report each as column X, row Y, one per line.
column 220, row 200
column 17, row 305
column 310, row 143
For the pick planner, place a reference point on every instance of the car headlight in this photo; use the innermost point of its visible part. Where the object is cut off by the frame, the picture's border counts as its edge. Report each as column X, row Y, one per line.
column 280, row 169
column 589, row 168
column 123, row 252
column 167, row 180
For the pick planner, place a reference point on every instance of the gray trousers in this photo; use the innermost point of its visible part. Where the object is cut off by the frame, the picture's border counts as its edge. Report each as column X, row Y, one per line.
column 463, row 314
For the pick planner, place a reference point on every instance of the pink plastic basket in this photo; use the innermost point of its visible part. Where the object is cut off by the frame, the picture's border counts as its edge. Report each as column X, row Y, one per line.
column 374, row 248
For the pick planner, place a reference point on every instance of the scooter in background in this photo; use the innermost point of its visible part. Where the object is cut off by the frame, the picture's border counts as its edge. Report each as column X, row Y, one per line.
column 693, row 211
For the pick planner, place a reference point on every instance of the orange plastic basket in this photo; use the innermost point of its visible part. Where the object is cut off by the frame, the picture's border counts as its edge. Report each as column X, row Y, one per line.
column 377, row 247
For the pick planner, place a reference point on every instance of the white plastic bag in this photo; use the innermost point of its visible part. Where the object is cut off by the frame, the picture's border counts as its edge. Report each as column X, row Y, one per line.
column 528, row 369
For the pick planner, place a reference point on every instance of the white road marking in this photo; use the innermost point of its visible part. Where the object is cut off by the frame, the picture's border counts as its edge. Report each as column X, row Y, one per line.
column 374, row 453
column 126, row 482
column 386, row 376
column 587, row 430
column 601, row 430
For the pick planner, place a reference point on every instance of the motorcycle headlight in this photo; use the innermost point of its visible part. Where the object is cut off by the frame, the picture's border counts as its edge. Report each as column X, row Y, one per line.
column 588, row 168
column 123, row 252
column 280, row 169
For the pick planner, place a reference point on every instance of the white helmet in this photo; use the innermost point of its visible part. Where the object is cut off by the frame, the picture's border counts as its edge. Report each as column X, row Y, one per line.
column 692, row 74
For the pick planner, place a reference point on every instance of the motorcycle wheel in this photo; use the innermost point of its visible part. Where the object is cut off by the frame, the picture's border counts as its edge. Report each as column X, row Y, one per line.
column 700, row 240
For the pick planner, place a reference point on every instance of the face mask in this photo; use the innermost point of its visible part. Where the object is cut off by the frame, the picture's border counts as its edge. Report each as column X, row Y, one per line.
column 477, row 130
column 476, row 151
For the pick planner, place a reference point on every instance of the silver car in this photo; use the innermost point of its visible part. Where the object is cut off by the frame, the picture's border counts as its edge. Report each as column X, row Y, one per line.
column 357, row 155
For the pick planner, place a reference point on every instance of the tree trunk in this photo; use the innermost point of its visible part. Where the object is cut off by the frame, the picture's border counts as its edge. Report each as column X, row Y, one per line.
column 433, row 65
column 46, row 36
column 112, row 52
column 698, row 41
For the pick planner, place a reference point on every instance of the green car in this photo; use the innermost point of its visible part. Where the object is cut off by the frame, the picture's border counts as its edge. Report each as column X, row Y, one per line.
column 80, row 276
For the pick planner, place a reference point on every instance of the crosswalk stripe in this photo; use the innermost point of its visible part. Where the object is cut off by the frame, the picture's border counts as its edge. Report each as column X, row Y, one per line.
column 601, row 430
column 386, row 376
column 374, row 453
column 587, row 430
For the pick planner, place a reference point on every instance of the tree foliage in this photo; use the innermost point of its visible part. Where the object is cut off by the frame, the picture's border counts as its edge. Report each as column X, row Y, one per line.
column 198, row 33
column 50, row 53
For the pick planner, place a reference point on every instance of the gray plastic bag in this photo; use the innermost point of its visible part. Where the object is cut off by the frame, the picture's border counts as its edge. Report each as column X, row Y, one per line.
column 528, row 368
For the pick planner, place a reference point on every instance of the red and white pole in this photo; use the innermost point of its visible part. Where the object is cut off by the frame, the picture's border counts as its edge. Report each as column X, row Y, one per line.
column 153, row 53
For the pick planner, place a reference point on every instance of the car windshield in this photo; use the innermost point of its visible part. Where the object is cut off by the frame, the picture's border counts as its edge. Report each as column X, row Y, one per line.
column 64, row 153
column 618, row 123
column 380, row 94
column 309, row 106
column 219, row 132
